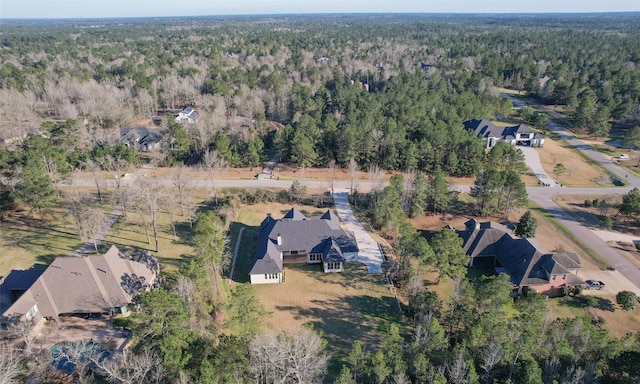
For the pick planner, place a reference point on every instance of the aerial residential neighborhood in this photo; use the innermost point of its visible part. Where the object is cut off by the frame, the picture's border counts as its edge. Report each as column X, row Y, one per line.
column 319, row 198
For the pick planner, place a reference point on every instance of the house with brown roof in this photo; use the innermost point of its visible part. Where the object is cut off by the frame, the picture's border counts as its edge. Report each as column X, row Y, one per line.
column 297, row 239
column 72, row 285
column 515, row 135
column 529, row 265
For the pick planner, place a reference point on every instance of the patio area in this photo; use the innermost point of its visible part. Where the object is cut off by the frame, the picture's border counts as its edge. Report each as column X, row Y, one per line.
column 72, row 328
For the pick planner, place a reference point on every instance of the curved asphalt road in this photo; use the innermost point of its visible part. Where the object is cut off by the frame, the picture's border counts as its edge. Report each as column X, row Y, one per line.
column 543, row 197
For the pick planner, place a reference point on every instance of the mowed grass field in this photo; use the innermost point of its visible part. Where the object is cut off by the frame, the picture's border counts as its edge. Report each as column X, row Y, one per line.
column 26, row 241
column 344, row 307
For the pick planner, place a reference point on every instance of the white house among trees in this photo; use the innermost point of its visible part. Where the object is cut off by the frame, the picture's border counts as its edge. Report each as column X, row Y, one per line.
column 515, row 135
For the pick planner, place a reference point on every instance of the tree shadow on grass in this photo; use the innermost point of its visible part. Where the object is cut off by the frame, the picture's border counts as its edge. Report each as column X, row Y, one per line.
column 45, row 260
column 605, row 305
column 343, row 320
column 571, row 302
column 246, row 250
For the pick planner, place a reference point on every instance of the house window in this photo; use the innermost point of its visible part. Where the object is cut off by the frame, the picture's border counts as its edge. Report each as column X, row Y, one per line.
column 564, row 277
column 331, row 266
column 315, row 257
column 553, row 277
column 31, row 312
column 293, row 252
column 270, row 276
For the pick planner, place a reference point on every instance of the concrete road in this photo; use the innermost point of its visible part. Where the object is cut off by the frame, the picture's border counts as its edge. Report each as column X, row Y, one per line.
column 617, row 261
column 543, row 197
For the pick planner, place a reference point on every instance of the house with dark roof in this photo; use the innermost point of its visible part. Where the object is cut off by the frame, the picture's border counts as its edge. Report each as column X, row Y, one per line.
column 528, row 264
column 515, row 135
column 94, row 284
column 142, row 138
column 187, row 116
column 297, row 239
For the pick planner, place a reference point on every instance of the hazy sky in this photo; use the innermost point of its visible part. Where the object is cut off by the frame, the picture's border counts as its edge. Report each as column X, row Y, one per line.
column 136, row 8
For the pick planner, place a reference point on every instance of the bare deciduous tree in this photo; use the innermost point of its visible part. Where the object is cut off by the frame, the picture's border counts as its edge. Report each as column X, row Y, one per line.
column 353, row 172
column 214, row 165
column 51, row 166
column 458, row 369
column 117, row 166
column 148, row 198
column 94, row 222
column 23, row 331
column 11, row 365
column 284, row 358
column 81, row 355
column 491, row 356
column 94, row 168
column 180, row 178
column 376, row 176
column 140, row 368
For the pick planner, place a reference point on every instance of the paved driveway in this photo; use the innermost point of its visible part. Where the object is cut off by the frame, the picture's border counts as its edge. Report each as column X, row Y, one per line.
column 532, row 159
column 614, row 282
column 369, row 252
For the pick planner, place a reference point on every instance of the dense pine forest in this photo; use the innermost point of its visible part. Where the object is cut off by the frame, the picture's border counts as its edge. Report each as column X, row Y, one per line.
column 374, row 92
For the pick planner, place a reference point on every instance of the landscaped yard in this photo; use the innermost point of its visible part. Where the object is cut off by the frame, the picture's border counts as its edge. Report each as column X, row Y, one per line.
column 344, row 307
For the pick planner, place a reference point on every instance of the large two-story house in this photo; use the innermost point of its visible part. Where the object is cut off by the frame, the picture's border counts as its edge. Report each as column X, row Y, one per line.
column 528, row 264
column 514, row 135
column 297, row 239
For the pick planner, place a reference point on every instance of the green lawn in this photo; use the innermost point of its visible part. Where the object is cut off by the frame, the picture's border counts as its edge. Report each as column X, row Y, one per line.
column 26, row 241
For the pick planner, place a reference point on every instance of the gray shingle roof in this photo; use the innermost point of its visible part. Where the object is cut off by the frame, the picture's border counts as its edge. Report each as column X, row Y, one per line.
column 526, row 263
column 294, row 214
column 485, row 128
column 297, row 233
column 332, row 252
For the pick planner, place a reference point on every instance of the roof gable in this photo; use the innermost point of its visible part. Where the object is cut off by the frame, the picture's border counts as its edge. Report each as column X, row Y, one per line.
column 526, row 262
column 294, row 232
column 88, row 284
column 294, row 214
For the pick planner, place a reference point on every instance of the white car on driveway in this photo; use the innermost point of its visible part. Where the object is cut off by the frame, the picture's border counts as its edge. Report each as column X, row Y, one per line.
column 622, row 156
column 594, row 284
